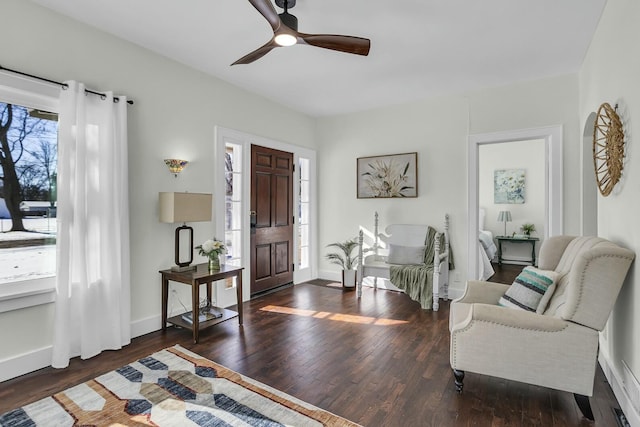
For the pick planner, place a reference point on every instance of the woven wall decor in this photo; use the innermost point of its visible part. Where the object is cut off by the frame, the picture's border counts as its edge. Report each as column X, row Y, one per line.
column 608, row 148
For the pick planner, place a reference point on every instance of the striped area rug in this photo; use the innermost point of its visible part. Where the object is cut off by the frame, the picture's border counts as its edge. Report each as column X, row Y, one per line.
column 173, row 387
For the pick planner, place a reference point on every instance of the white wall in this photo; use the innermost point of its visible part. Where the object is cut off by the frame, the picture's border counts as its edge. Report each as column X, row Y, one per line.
column 176, row 110
column 438, row 130
column 435, row 129
column 546, row 102
column 526, row 155
column 610, row 74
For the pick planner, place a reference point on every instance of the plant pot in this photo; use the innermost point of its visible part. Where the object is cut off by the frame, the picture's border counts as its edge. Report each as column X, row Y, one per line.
column 349, row 279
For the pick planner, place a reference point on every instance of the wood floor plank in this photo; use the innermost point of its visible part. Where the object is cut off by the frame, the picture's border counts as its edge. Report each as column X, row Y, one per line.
column 379, row 361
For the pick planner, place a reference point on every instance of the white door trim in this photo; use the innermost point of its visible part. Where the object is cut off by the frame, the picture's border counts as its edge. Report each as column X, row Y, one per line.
column 552, row 136
column 244, row 139
column 588, row 184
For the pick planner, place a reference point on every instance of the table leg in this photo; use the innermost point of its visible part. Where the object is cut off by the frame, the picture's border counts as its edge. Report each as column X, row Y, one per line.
column 499, row 252
column 165, row 301
column 239, row 294
column 195, row 310
column 533, row 253
column 209, row 294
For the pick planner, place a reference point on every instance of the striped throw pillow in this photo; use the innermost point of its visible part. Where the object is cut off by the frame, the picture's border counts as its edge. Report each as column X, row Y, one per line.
column 531, row 290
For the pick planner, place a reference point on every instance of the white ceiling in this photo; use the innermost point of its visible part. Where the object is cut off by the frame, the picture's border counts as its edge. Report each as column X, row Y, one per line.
column 419, row 48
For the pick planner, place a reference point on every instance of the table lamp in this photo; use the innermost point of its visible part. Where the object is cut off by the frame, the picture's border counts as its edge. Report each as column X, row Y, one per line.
column 184, row 207
column 504, row 216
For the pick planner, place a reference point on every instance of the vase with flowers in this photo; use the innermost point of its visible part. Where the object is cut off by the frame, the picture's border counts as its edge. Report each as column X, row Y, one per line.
column 212, row 249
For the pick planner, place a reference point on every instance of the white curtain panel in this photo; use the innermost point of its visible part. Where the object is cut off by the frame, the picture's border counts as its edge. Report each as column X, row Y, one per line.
column 92, row 308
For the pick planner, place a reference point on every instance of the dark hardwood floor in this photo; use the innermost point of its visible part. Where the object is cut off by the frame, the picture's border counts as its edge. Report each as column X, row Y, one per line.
column 505, row 273
column 378, row 361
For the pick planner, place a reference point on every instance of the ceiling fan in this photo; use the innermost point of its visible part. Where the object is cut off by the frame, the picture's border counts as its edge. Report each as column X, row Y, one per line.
column 285, row 33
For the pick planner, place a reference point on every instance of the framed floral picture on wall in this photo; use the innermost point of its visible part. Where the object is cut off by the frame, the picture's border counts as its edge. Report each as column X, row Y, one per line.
column 393, row 175
column 508, row 186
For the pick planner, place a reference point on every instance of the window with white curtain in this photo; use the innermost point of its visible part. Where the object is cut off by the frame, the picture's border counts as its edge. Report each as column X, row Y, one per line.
column 28, row 236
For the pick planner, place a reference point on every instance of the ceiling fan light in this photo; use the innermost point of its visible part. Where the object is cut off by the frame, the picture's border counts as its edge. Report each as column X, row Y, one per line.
column 285, row 40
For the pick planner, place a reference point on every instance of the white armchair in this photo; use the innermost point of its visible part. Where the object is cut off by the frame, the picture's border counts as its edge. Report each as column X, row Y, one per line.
column 556, row 348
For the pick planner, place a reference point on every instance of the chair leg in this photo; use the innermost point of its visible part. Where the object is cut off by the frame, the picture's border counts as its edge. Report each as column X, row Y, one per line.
column 459, row 377
column 584, row 405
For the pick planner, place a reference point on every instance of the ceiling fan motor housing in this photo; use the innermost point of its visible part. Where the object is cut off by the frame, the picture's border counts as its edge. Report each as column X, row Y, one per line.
column 289, row 20
column 289, row 3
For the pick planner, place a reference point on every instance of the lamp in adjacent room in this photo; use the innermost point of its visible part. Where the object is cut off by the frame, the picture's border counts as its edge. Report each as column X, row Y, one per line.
column 175, row 165
column 504, row 216
column 184, row 207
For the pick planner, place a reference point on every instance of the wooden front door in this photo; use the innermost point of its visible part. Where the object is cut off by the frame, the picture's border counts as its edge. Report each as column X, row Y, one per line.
column 271, row 218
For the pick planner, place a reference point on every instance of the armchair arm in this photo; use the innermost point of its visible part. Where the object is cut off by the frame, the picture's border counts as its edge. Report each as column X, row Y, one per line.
column 478, row 291
column 509, row 317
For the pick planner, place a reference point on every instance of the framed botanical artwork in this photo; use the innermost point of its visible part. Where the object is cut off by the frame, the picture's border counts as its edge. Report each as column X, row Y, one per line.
column 508, row 186
column 393, row 175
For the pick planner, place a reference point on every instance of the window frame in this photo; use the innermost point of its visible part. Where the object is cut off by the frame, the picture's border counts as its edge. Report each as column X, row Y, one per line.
column 34, row 94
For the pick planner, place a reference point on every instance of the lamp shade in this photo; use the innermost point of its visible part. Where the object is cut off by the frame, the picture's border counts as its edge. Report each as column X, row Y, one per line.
column 504, row 216
column 185, row 207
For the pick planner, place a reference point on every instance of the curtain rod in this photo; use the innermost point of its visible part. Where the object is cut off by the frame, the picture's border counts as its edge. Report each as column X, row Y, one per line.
column 64, row 85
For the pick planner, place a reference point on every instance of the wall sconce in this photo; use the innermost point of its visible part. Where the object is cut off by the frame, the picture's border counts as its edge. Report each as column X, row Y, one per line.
column 175, row 165
column 183, row 208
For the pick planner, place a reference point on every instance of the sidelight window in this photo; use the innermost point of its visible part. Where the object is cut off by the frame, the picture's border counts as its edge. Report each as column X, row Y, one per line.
column 233, row 203
column 303, row 213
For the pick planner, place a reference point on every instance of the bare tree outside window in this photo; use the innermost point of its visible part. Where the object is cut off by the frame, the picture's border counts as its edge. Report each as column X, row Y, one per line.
column 28, row 155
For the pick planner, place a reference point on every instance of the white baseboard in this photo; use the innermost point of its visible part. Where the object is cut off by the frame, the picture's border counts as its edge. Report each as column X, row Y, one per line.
column 515, row 261
column 336, row 276
column 41, row 358
column 146, row 326
column 617, row 385
column 25, row 363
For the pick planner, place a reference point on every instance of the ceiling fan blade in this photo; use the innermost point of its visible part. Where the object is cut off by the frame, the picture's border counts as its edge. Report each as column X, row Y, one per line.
column 348, row 44
column 268, row 11
column 257, row 54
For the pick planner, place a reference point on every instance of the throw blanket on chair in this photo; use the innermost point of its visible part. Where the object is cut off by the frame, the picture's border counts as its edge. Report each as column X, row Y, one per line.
column 417, row 280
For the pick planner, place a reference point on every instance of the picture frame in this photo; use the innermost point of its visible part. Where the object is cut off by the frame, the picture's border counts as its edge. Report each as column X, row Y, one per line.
column 387, row 176
column 509, row 186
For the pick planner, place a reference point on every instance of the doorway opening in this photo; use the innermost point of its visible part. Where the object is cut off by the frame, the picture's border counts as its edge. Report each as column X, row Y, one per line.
column 552, row 137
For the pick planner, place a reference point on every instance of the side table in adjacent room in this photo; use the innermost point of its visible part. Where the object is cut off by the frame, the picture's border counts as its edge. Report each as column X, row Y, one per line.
column 527, row 240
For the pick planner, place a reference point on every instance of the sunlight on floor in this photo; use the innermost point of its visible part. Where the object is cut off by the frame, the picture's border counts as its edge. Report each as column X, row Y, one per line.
column 350, row 318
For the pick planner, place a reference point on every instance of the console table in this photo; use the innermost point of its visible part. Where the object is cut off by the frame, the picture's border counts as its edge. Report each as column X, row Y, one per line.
column 198, row 276
column 528, row 240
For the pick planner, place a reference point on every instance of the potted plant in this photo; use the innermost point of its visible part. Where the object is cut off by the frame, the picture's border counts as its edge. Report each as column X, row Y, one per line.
column 346, row 260
column 527, row 229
